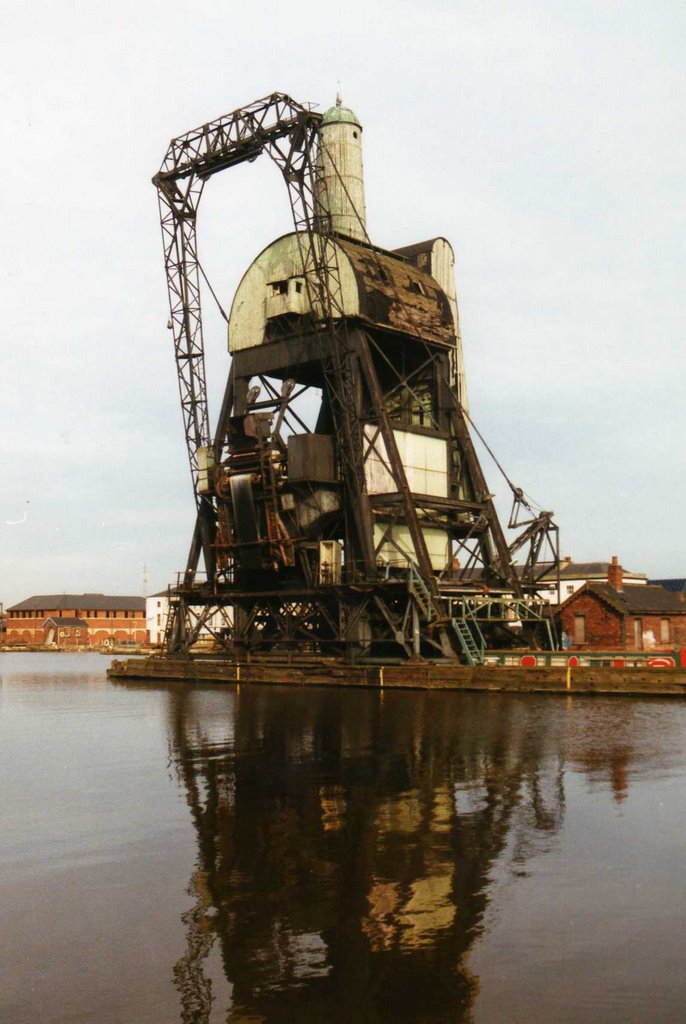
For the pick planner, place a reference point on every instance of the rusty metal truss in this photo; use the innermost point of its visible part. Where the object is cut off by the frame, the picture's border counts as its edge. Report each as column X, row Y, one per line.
column 365, row 382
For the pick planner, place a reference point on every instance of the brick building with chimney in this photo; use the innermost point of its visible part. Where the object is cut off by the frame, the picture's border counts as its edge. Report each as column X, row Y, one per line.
column 614, row 615
column 557, row 583
column 72, row 621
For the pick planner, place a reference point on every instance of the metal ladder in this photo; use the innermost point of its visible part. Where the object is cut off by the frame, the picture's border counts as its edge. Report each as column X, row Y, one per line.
column 420, row 592
column 473, row 647
column 469, row 635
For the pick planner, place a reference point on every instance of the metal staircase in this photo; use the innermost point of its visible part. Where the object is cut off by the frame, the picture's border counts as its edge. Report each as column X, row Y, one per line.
column 420, row 592
column 471, row 640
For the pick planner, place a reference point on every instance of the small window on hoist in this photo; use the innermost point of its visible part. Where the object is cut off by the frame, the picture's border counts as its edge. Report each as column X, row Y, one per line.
column 298, row 286
column 279, row 287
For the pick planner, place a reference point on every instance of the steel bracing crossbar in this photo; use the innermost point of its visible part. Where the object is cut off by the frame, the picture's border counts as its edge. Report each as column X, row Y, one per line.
column 190, row 160
column 288, row 132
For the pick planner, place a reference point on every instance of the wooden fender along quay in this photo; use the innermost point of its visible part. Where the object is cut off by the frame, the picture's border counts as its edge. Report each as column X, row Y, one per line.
column 424, row 676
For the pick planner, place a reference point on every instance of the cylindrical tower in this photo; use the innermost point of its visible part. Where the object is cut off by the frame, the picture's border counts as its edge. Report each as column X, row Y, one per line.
column 340, row 183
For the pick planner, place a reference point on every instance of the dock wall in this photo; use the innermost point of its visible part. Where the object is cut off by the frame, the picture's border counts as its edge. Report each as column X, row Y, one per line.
column 423, row 676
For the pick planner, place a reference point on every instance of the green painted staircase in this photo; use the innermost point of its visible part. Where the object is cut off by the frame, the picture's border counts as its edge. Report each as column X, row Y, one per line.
column 421, row 593
column 473, row 646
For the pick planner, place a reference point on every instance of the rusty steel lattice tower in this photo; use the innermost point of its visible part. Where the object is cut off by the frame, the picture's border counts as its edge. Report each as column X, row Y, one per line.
column 341, row 507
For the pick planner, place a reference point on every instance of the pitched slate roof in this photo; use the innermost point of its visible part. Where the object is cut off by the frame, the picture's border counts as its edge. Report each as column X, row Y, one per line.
column 96, row 602
column 586, row 570
column 677, row 586
column 637, row 599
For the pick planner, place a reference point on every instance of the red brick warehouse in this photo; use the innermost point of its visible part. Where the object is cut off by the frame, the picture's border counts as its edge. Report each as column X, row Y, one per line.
column 73, row 621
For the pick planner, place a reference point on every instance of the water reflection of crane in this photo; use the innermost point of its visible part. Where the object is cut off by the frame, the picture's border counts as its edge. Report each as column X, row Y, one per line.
column 345, row 843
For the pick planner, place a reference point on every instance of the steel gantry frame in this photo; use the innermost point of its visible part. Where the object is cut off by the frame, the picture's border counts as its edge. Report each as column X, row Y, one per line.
column 288, row 132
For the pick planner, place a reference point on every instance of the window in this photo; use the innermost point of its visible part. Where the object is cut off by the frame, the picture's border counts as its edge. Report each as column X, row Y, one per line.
column 570, row 589
column 77, row 632
column 279, row 287
column 665, row 633
column 159, row 620
column 638, row 634
column 579, row 629
column 413, row 401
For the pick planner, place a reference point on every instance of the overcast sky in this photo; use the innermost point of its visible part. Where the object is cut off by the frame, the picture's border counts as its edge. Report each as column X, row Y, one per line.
column 544, row 139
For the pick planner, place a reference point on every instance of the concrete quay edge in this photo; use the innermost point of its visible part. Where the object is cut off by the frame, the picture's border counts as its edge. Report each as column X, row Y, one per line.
column 415, row 676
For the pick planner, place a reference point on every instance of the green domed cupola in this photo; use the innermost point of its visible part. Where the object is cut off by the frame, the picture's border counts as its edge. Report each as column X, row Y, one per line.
column 340, row 115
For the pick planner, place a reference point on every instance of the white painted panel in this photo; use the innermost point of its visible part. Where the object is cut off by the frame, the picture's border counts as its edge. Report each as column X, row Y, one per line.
column 425, row 459
column 436, row 542
column 443, row 271
column 253, row 302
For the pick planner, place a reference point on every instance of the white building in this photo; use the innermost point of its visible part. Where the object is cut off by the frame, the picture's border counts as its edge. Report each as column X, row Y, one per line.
column 573, row 575
column 157, row 613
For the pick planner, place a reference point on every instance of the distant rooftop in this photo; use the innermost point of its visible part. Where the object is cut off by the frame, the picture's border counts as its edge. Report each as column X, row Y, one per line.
column 638, row 600
column 677, row 586
column 94, row 602
column 587, row 570
column 545, row 571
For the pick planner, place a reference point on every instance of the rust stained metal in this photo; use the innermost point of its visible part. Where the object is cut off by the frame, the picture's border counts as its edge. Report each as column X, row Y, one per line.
column 396, row 294
column 375, row 332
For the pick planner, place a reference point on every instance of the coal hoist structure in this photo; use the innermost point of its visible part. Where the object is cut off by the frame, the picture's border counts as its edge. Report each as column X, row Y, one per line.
column 342, row 511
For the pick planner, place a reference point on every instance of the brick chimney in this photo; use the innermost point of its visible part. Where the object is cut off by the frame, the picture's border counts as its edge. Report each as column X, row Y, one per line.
column 615, row 574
